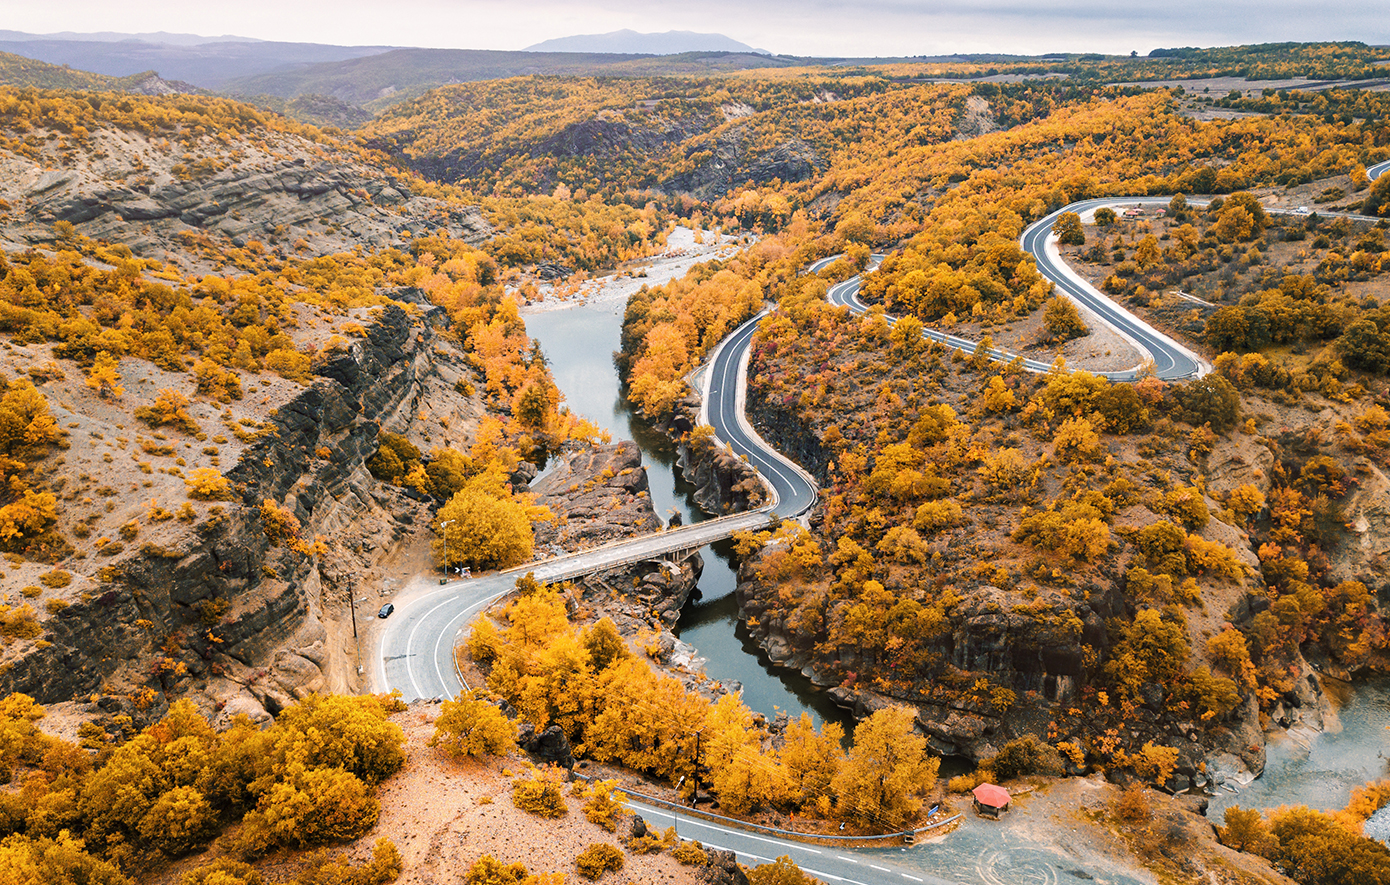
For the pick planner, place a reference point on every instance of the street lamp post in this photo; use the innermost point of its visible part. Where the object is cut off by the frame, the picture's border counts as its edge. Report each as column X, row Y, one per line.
column 444, row 531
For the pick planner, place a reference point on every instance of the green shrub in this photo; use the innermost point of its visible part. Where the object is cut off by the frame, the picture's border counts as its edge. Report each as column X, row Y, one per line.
column 781, row 872
column 223, row 871
column 179, row 821
column 1026, row 755
column 56, row 578
column 604, row 804
column 652, row 842
column 325, row 868
column 19, row 623
column 470, row 726
column 488, row 870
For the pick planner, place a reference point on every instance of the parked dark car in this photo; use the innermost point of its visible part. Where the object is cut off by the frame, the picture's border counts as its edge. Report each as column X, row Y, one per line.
column 386, row 610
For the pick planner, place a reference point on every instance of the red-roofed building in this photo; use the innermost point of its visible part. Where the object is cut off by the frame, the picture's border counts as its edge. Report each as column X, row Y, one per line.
column 991, row 800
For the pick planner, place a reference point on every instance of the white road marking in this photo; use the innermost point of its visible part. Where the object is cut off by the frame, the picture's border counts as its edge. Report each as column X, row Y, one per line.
column 449, row 632
column 741, row 834
column 804, row 869
column 383, row 685
column 831, row 876
column 410, row 643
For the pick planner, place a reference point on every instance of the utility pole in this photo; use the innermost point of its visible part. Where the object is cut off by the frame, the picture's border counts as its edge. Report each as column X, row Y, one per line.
column 695, row 797
column 352, row 607
column 678, row 809
column 444, row 532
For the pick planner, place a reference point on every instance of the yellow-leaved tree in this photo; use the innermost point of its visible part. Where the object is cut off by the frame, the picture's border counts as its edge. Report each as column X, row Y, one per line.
column 105, row 376
column 470, row 726
column 488, row 527
column 881, row 781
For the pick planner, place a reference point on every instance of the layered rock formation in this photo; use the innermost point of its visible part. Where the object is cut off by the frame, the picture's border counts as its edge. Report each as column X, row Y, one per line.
column 598, row 494
column 285, row 192
column 731, row 161
column 225, row 614
column 1044, row 654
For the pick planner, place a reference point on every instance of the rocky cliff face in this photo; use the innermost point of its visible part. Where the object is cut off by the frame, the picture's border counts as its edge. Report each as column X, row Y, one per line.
column 1040, row 656
column 600, row 495
column 597, row 494
column 724, row 483
column 224, row 614
column 608, row 139
column 729, row 160
column 785, row 432
column 282, row 190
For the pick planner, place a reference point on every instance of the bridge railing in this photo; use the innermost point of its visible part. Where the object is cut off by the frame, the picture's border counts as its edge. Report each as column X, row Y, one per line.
column 697, row 534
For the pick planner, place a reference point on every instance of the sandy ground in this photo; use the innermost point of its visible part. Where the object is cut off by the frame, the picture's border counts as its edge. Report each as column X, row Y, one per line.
column 443, row 815
column 437, row 811
column 612, row 290
column 1043, row 838
column 1102, row 350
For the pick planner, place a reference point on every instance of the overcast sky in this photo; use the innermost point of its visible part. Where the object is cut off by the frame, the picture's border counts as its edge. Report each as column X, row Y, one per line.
column 799, row 27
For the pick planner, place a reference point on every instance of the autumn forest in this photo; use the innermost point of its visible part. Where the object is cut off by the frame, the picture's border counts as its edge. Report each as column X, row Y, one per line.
column 260, row 378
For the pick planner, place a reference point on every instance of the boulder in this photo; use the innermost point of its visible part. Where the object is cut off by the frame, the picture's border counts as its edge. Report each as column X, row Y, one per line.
column 550, row 745
column 721, row 869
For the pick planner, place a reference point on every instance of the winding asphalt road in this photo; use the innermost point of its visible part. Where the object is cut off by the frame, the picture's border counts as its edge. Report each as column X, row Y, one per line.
column 417, row 642
column 1163, row 357
column 1376, row 171
column 1166, row 358
column 829, row 864
column 725, row 398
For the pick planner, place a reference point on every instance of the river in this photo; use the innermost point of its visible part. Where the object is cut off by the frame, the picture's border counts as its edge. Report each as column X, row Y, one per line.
column 579, row 343
column 1320, row 768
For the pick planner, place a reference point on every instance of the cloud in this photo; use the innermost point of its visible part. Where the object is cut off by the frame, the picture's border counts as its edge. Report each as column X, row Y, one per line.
column 800, row 27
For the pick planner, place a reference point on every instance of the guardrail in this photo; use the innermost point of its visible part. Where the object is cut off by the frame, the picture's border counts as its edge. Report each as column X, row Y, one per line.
column 776, row 831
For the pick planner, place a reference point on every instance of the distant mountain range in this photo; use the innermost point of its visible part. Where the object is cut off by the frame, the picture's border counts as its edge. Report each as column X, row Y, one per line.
column 367, row 75
column 632, row 43
column 117, row 37
column 376, row 81
column 203, row 61
column 344, row 85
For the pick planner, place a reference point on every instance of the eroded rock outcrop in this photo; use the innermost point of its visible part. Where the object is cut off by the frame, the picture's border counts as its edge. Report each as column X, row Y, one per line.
column 285, row 192
column 1002, row 663
column 730, row 160
column 597, row 494
column 724, row 483
column 224, row 613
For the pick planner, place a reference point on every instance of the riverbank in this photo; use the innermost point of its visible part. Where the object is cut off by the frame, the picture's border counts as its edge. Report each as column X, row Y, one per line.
column 684, row 249
column 1305, row 766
